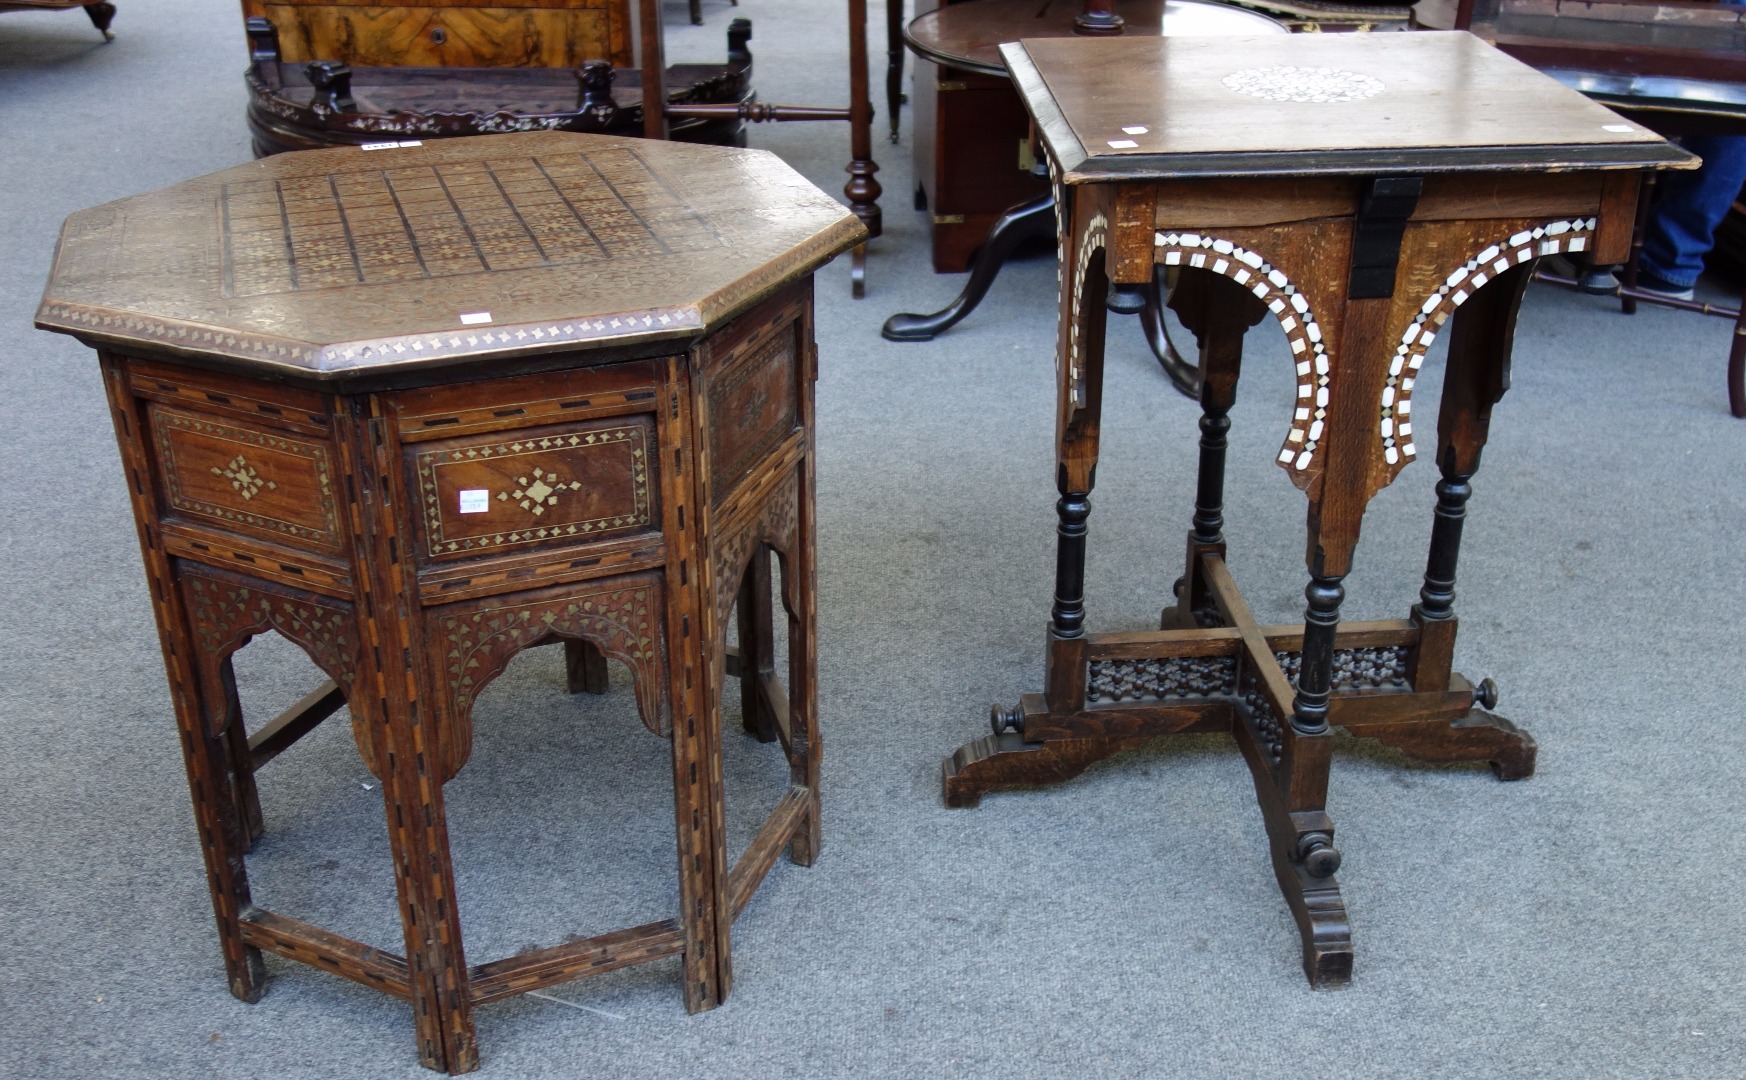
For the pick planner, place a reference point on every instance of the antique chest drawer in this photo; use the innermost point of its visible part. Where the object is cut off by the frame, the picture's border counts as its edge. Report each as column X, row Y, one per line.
column 245, row 470
column 754, row 372
column 533, row 466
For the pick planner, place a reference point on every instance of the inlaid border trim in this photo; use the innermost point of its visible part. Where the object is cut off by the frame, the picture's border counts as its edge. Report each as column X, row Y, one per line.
column 1269, row 285
column 437, row 544
column 164, row 419
column 1096, row 235
column 1396, row 429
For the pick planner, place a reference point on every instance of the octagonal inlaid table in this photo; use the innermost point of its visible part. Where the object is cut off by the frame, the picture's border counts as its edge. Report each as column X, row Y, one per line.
column 1357, row 190
column 418, row 408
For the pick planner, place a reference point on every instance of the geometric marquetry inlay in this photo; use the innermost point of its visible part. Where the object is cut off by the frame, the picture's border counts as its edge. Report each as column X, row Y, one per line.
column 567, row 484
column 238, row 478
column 378, row 225
column 243, row 477
column 752, row 407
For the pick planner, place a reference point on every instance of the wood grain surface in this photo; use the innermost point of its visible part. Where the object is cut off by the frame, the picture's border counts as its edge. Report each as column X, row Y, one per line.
column 1428, row 102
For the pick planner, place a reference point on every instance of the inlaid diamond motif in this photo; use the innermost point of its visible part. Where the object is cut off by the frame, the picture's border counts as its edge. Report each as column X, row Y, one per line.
column 243, row 477
column 542, row 491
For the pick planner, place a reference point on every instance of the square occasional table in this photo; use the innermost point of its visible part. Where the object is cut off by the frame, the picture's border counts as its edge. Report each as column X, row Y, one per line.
column 418, row 408
column 1360, row 190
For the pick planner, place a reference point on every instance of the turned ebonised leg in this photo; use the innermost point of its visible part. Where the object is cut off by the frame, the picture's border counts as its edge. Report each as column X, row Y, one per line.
column 1181, row 372
column 1218, row 313
column 101, row 16
column 1027, row 221
column 1475, row 378
column 1321, row 622
column 894, row 62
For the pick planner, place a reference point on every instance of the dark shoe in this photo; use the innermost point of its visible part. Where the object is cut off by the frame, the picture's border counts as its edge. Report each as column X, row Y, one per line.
column 1649, row 283
column 1599, row 280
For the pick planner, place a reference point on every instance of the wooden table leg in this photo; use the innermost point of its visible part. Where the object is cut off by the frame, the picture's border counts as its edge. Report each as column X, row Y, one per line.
column 101, row 16
column 863, row 191
column 401, row 708
column 226, row 811
column 1218, row 313
column 804, row 746
column 200, row 717
column 1475, row 378
column 1737, row 365
column 584, row 668
column 894, row 63
column 757, row 668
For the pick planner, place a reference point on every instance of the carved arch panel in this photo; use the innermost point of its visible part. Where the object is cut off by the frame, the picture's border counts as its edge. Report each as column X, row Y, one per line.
column 776, row 522
column 228, row 609
column 1395, row 425
column 621, row 616
column 1303, row 332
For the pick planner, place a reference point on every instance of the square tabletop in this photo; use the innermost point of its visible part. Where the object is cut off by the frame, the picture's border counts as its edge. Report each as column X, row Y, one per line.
column 1426, row 102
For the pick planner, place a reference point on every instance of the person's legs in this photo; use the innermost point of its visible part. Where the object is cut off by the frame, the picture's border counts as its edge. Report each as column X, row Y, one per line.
column 1689, row 206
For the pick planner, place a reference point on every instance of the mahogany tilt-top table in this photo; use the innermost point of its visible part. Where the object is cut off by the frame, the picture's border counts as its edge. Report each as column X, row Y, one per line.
column 418, row 408
column 1361, row 190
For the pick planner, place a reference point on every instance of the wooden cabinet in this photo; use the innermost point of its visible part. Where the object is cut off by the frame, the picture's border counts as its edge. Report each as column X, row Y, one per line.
column 972, row 156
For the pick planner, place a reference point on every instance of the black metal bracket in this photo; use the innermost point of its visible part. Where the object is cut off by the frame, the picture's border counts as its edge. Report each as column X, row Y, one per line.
column 1376, row 235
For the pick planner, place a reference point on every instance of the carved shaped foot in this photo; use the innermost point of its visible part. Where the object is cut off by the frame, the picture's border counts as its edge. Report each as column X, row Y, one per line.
column 995, row 762
column 1320, row 911
column 1478, row 736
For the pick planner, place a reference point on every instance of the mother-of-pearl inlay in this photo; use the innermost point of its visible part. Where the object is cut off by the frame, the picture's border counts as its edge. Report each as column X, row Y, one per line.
column 1403, row 370
column 1095, row 236
column 1295, row 317
column 1317, row 84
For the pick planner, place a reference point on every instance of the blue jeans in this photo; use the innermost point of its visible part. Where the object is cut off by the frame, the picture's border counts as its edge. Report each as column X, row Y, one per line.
column 1688, row 207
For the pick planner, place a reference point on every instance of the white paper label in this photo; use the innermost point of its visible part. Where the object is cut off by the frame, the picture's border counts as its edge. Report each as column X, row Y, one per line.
column 1137, row 129
column 1620, row 128
column 475, row 501
column 1122, row 144
column 390, row 145
column 475, row 318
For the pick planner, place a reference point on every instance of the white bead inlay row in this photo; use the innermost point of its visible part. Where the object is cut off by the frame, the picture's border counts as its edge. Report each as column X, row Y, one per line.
column 1095, row 236
column 1397, row 404
column 1302, row 332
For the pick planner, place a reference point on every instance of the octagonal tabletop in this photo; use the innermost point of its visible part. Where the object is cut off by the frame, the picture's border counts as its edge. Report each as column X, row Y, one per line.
column 1424, row 102
column 343, row 262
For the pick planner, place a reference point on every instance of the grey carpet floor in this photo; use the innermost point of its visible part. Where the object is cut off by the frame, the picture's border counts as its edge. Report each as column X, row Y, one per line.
column 1584, row 923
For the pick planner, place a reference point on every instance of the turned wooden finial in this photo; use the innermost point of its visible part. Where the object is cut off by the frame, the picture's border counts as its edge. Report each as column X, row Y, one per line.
column 1098, row 17
column 333, row 85
column 594, row 92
